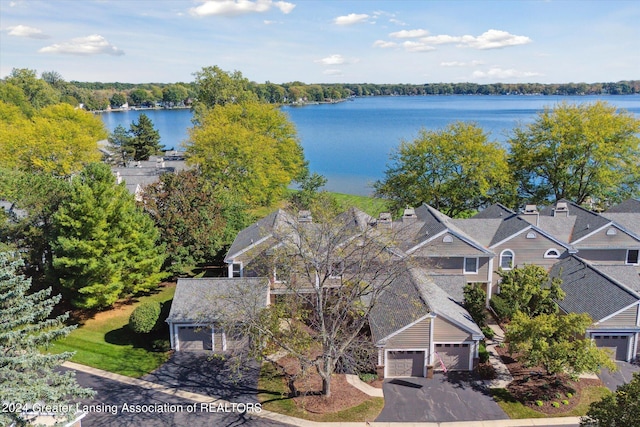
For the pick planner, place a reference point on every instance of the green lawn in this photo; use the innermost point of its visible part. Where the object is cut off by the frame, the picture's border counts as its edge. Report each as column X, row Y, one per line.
column 105, row 341
column 273, row 397
column 516, row 410
column 371, row 205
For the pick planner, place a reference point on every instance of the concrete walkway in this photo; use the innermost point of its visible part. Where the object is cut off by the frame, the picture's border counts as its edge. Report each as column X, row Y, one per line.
column 355, row 381
column 503, row 377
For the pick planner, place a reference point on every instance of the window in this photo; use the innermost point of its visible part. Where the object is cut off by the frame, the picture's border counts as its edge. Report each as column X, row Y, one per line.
column 470, row 265
column 236, row 270
column 632, row 256
column 506, row 259
column 611, row 232
column 552, row 253
column 531, row 235
column 447, row 239
column 337, row 268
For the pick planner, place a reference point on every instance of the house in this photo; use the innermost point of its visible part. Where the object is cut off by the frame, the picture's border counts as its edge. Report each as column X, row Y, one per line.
column 204, row 312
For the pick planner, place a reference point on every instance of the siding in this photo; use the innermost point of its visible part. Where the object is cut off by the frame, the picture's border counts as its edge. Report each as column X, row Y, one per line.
column 438, row 247
column 529, row 251
column 445, row 331
column 614, row 256
column 455, row 265
column 625, row 318
column 417, row 336
column 601, row 239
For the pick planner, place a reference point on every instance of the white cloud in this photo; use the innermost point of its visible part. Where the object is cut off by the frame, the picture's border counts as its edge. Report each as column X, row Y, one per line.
column 495, row 39
column 398, row 22
column 384, row 44
column 239, row 7
column 331, row 60
column 332, row 72
column 409, row 34
column 350, row 19
column 499, row 73
column 91, row 45
column 461, row 64
column 25, row 31
column 412, row 46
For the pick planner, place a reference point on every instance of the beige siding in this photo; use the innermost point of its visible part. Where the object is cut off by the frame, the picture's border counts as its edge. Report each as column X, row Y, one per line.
column 455, row 265
column 629, row 317
column 529, row 251
column 601, row 239
column 445, row 331
column 483, row 272
column 440, row 248
column 613, row 256
column 415, row 337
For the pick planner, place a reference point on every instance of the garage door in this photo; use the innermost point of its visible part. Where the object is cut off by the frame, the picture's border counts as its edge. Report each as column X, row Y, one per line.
column 194, row 338
column 454, row 356
column 617, row 344
column 405, row 363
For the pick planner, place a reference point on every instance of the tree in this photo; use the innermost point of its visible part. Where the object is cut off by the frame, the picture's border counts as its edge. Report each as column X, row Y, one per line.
column 530, row 290
column 455, row 170
column 37, row 91
column 145, row 139
column 122, row 141
column 308, row 193
column 250, row 150
column 475, row 300
column 145, row 317
column 105, row 247
column 332, row 273
column 197, row 222
column 215, row 86
column 577, row 152
column 58, row 139
column 117, row 100
column 139, row 97
column 618, row 409
column 174, row 94
column 550, row 341
column 27, row 374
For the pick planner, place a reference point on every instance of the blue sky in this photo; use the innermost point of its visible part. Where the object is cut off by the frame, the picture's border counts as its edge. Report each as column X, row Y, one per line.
column 556, row 41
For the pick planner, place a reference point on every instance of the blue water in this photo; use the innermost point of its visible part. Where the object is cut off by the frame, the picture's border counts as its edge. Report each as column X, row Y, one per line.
column 350, row 142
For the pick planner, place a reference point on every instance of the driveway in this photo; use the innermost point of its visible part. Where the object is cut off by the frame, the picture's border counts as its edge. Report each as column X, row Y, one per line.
column 623, row 375
column 455, row 396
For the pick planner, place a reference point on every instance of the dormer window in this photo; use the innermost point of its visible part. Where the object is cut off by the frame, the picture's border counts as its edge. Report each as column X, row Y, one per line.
column 611, row 232
column 447, row 239
column 531, row 235
column 507, row 259
column 632, row 256
column 552, row 253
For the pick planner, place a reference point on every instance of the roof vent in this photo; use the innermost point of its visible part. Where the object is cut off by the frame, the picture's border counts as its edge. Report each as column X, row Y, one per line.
column 305, row 216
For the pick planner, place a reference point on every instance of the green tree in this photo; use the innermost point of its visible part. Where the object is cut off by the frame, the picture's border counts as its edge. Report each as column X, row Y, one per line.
column 529, row 289
column 215, row 86
column 122, row 142
column 37, row 91
column 145, row 139
column 117, row 100
column 550, row 341
column 576, row 152
column 174, row 94
column 139, row 97
column 455, row 170
column 308, row 193
column 618, row 409
column 27, row 374
column 106, row 247
column 250, row 150
column 145, row 317
column 475, row 300
column 197, row 222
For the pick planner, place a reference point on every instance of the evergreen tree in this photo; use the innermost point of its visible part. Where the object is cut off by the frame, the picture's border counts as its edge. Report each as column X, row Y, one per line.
column 106, row 246
column 122, row 142
column 145, row 139
column 26, row 374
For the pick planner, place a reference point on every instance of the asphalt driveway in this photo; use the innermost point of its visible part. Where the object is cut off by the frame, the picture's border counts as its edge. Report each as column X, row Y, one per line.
column 455, row 396
column 623, row 375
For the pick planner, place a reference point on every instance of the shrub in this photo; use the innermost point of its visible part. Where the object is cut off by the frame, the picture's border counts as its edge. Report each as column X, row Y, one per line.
column 555, row 404
column 539, row 402
column 569, row 395
column 367, row 377
column 161, row 345
column 474, row 302
column 144, row 317
column 502, row 308
column 488, row 332
column 483, row 353
column 565, row 402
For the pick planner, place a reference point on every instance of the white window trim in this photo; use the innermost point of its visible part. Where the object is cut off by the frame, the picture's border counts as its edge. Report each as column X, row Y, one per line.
column 447, row 239
column 231, row 269
column 513, row 259
column 611, row 231
column 626, row 260
column 548, row 255
column 275, row 277
column 531, row 235
column 332, row 272
column 464, row 266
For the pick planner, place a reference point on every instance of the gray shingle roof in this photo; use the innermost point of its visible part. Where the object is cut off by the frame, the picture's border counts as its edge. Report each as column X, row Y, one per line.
column 589, row 290
column 452, row 284
column 628, row 206
column 482, row 229
column 508, row 228
column 208, row 300
column 627, row 275
column 256, row 231
column 584, row 222
column 497, row 210
column 629, row 221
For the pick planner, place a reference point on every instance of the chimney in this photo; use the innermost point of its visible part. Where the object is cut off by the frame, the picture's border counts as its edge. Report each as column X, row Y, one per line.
column 305, row 216
column 409, row 215
column 384, row 220
column 561, row 207
column 529, row 212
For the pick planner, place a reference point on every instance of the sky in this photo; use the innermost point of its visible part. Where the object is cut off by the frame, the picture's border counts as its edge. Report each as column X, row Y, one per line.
column 328, row 41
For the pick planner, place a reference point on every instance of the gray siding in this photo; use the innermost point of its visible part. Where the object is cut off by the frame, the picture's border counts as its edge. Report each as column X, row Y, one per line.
column 529, row 251
column 625, row 318
column 445, row 331
column 612, row 256
column 455, row 265
column 415, row 337
column 601, row 239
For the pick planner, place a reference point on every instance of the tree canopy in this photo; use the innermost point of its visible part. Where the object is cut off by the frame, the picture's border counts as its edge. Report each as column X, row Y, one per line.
column 145, row 139
column 251, row 150
column 455, row 170
column 214, row 86
column 105, row 246
column 621, row 408
column 577, row 152
column 27, row 374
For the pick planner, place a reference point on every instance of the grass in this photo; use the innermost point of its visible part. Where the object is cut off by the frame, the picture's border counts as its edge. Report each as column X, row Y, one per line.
column 105, row 342
column 516, row 410
column 371, row 205
column 273, row 397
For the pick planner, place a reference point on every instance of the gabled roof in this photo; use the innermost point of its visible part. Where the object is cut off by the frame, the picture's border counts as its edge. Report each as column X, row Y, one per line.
column 582, row 222
column 590, row 290
column 257, row 232
column 482, row 229
column 626, row 214
column 509, row 227
column 208, row 300
column 628, row 206
column 495, row 211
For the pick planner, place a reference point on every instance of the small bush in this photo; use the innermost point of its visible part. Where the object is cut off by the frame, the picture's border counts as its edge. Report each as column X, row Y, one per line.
column 144, row 317
column 483, row 353
column 367, row 377
column 539, row 402
column 488, row 332
column 555, row 404
column 565, row 402
column 161, row 345
column 502, row 308
column 569, row 395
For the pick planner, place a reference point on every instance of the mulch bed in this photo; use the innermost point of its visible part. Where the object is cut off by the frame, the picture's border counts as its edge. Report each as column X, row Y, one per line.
column 309, row 386
column 532, row 384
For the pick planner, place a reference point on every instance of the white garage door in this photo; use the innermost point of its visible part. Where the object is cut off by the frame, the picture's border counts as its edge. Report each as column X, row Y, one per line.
column 405, row 364
column 454, row 356
column 194, row 338
column 618, row 345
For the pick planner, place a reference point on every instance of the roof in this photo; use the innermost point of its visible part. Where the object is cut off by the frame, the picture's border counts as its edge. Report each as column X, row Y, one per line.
column 629, row 221
column 256, row 232
column 589, row 290
column 452, row 284
column 628, row 206
column 495, row 211
column 579, row 222
column 482, row 229
column 209, row 300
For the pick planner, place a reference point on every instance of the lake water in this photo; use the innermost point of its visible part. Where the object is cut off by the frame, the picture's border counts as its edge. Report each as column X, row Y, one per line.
column 350, row 142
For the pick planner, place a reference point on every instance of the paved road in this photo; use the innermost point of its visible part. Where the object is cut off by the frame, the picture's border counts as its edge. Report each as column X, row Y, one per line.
column 623, row 375
column 454, row 397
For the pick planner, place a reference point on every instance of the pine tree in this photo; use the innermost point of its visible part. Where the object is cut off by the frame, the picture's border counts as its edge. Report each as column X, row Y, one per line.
column 145, row 139
column 106, row 246
column 27, row 375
